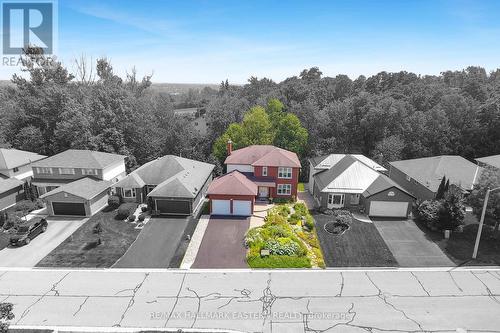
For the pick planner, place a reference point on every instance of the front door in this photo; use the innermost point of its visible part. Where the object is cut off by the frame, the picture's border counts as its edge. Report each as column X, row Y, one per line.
column 263, row 192
column 335, row 200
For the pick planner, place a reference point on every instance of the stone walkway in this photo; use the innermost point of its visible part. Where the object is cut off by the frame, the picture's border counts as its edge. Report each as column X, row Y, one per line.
column 195, row 243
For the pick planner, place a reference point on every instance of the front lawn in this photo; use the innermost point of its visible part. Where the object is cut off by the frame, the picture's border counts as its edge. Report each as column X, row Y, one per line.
column 289, row 236
column 359, row 246
column 82, row 248
column 461, row 245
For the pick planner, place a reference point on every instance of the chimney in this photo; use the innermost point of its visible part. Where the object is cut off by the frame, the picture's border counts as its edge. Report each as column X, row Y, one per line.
column 229, row 147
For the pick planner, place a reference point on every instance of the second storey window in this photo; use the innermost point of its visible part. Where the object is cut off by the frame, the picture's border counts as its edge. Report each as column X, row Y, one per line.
column 284, row 172
column 66, row 171
column 264, row 171
column 45, row 170
column 16, row 169
column 89, row 172
column 129, row 192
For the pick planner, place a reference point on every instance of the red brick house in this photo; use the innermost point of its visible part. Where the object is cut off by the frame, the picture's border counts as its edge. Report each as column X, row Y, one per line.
column 272, row 171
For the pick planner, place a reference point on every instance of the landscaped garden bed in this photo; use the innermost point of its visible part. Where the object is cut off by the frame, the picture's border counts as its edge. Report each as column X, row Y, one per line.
column 286, row 240
column 99, row 242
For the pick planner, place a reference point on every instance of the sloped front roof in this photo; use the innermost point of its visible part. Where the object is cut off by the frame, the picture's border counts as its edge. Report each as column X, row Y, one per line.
column 383, row 183
column 328, row 161
column 493, row 160
column 173, row 176
column 14, row 158
column 264, row 155
column 9, row 184
column 74, row 158
column 233, row 183
column 85, row 188
column 429, row 171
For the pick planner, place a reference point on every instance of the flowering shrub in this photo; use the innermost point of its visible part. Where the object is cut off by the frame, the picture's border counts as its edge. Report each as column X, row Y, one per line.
column 284, row 246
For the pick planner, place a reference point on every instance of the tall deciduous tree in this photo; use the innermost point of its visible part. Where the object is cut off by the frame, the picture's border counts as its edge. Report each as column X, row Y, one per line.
column 489, row 179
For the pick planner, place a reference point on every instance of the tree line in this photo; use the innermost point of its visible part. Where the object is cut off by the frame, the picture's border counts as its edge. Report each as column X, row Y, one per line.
column 387, row 116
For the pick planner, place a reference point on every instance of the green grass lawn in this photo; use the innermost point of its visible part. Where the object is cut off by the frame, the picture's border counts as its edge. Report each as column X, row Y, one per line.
column 81, row 249
column 461, row 245
column 360, row 246
column 301, row 187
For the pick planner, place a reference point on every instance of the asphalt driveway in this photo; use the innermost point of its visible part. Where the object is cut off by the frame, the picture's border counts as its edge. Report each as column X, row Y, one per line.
column 409, row 245
column 222, row 245
column 29, row 255
column 156, row 244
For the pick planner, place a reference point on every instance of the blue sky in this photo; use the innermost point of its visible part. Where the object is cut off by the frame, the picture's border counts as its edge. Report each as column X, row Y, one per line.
column 209, row 41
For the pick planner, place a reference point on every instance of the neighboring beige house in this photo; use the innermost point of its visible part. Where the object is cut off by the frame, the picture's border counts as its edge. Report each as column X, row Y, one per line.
column 16, row 163
column 73, row 164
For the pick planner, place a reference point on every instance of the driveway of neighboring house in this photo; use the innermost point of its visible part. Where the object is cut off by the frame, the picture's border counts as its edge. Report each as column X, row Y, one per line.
column 156, row 245
column 222, row 245
column 409, row 245
column 29, row 255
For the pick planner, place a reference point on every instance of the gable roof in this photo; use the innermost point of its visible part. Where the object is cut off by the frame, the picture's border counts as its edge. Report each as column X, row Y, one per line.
column 173, row 176
column 233, row 183
column 85, row 188
column 13, row 158
column 493, row 160
column 263, row 155
column 75, row 158
column 348, row 175
column 429, row 171
column 328, row 161
column 383, row 183
column 9, row 184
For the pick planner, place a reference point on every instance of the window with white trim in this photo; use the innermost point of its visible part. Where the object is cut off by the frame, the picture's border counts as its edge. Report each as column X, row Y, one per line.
column 128, row 192
column 284, row 189
column 45, row 170
column 66, row 171
column 16, row 169
column 264, row 171
column 285, row 172
column 89, row 172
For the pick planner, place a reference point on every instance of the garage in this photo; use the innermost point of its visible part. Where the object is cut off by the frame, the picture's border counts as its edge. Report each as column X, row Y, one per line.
column 242, row 207
column 69, row 208
column 173, row 207
column 221, row 207
column 388, row 208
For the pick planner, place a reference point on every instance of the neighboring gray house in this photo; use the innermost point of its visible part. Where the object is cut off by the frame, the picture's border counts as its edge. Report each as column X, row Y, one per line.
column 15, row 163
column 11, row 191
column 74, row 164
column 341, row 181
column 172, row 184
column 83, row 197
column 492, row 161
column 422, row 176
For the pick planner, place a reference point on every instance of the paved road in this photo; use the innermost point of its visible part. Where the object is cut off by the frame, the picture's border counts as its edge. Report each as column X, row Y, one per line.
column 29, row 255
column 277, row 301
column 409, row 245
column 222, row 244
column 156, row 244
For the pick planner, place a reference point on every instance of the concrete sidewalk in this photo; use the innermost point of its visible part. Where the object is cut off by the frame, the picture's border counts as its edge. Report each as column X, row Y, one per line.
column 257, row 300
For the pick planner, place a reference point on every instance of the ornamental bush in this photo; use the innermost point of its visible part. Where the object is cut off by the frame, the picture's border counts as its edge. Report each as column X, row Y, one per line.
column 131, row 218
column 283, row 246
column 24, row 206
column 428, row 213
column 114, row 201
column 141, row 217
column 123, row 212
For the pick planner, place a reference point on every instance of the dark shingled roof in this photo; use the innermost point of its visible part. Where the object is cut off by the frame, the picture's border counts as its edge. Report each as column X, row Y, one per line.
column 74, row 158
column 493, row 160
column 382, row 183
column 85, row 188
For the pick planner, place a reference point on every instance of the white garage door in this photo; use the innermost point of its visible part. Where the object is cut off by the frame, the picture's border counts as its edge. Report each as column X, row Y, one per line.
column 221, row 207
column 388, row 208
column 242, row 207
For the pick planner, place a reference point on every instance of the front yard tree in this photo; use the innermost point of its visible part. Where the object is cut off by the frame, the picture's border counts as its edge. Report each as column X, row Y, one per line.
column 6, row 315
column 490, row 178
column 452, row 211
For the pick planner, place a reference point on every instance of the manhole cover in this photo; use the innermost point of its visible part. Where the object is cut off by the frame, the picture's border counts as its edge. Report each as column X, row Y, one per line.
column 336, row 228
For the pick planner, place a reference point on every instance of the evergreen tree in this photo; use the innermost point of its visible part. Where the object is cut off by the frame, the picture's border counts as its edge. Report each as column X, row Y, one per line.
column 441, row 189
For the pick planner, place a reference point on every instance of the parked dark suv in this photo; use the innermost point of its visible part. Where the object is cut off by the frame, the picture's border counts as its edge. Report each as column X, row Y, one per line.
column 26, row 232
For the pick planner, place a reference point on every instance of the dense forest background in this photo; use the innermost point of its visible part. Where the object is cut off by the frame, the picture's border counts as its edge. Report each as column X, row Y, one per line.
column 388, row 116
